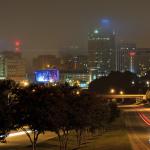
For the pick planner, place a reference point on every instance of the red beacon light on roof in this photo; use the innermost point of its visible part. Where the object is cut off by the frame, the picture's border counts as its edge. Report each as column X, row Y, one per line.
column 132, row 54
column 17, row 43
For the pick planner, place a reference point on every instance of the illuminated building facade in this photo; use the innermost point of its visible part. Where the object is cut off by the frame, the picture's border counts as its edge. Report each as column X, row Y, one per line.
column 74, row 70
column 80, row 78
column 125, row 57
column 12, row 66
column 101, row 52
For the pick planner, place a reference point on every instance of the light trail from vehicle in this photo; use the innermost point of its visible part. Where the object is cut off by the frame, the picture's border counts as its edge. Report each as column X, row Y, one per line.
column 18, row 133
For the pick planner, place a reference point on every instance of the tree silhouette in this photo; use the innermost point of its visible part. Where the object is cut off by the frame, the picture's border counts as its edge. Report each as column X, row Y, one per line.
column 117, row 80
column 31, row 111
column 6, row 123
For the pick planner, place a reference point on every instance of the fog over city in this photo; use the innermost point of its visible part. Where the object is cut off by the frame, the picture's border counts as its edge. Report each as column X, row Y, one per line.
column 74, row 75
column 52, row 25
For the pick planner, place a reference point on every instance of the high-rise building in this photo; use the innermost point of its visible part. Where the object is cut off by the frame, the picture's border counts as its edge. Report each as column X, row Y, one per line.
column 80, row 63
column 142, row 60
column 101, row 52
column 125, row 56
column 77, row 63
column 45, row 62
column 12, row 66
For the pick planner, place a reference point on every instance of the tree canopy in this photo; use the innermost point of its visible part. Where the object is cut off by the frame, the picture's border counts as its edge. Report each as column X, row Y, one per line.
column 126, row 81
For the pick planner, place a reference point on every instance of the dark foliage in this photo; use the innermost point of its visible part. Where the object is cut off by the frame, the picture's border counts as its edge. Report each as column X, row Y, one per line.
column 6, row 123
column 119, row 81
column 60, row 109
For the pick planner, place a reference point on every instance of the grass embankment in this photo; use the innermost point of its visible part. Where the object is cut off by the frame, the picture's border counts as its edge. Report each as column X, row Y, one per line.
column 114, row 139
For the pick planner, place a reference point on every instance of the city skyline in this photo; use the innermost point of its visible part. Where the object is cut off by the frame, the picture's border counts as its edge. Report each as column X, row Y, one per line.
column 74, row 74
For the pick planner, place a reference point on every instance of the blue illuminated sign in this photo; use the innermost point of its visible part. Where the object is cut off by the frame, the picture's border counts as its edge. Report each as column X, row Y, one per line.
column 49, row 75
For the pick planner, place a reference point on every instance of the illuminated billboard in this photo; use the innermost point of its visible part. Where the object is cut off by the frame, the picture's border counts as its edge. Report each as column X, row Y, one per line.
column 49, row 75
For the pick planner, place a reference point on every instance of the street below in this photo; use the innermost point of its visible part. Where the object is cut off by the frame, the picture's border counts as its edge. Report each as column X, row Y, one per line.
column 23, row 140
column 137, row 123
column 138, row 126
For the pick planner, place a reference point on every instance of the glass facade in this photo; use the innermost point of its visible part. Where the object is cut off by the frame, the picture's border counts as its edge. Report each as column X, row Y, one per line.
column 101, row 52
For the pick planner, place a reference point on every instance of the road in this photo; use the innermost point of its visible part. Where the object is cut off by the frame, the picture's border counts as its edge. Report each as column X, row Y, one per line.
column 137, row 127
column 22, row 140
column 137, row 120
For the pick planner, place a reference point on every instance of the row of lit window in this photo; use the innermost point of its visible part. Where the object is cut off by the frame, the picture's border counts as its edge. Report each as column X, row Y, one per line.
column 93, row 38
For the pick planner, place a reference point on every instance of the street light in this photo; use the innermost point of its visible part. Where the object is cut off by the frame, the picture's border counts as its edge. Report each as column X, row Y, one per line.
column 148, row 83
column 78, row 92
column 121, row 92
column 133, row 82
column 112, row 91
column 33, row 90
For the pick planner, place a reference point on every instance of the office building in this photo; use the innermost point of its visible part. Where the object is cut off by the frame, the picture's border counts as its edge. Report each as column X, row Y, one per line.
column 12, row 66
column 125, row 57
column 101, row 52
column 77, row 63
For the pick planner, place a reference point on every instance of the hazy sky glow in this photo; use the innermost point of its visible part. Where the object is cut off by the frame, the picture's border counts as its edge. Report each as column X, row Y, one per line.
column 54, row 24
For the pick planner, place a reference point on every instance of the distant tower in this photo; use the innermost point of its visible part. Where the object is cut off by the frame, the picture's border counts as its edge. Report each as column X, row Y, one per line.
column 17, row 46
column 132, row 61
column 101, row 52
column 125, row 56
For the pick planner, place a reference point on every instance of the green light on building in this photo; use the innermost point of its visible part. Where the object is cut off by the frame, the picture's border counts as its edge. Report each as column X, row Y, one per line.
column 96, row 31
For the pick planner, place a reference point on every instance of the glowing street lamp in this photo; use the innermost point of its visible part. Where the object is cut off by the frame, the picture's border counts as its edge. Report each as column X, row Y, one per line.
column 112, row 91
column 148, row 83
column 78, row 92
column 33, row 90
column 121, row 92
column 133, row 82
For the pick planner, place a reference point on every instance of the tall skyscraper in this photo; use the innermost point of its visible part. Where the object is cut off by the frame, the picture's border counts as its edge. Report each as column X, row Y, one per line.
column 125, row 56
column 101, row 52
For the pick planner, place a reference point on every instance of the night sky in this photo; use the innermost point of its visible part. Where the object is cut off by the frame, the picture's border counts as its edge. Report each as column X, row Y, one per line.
column 50, row 25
